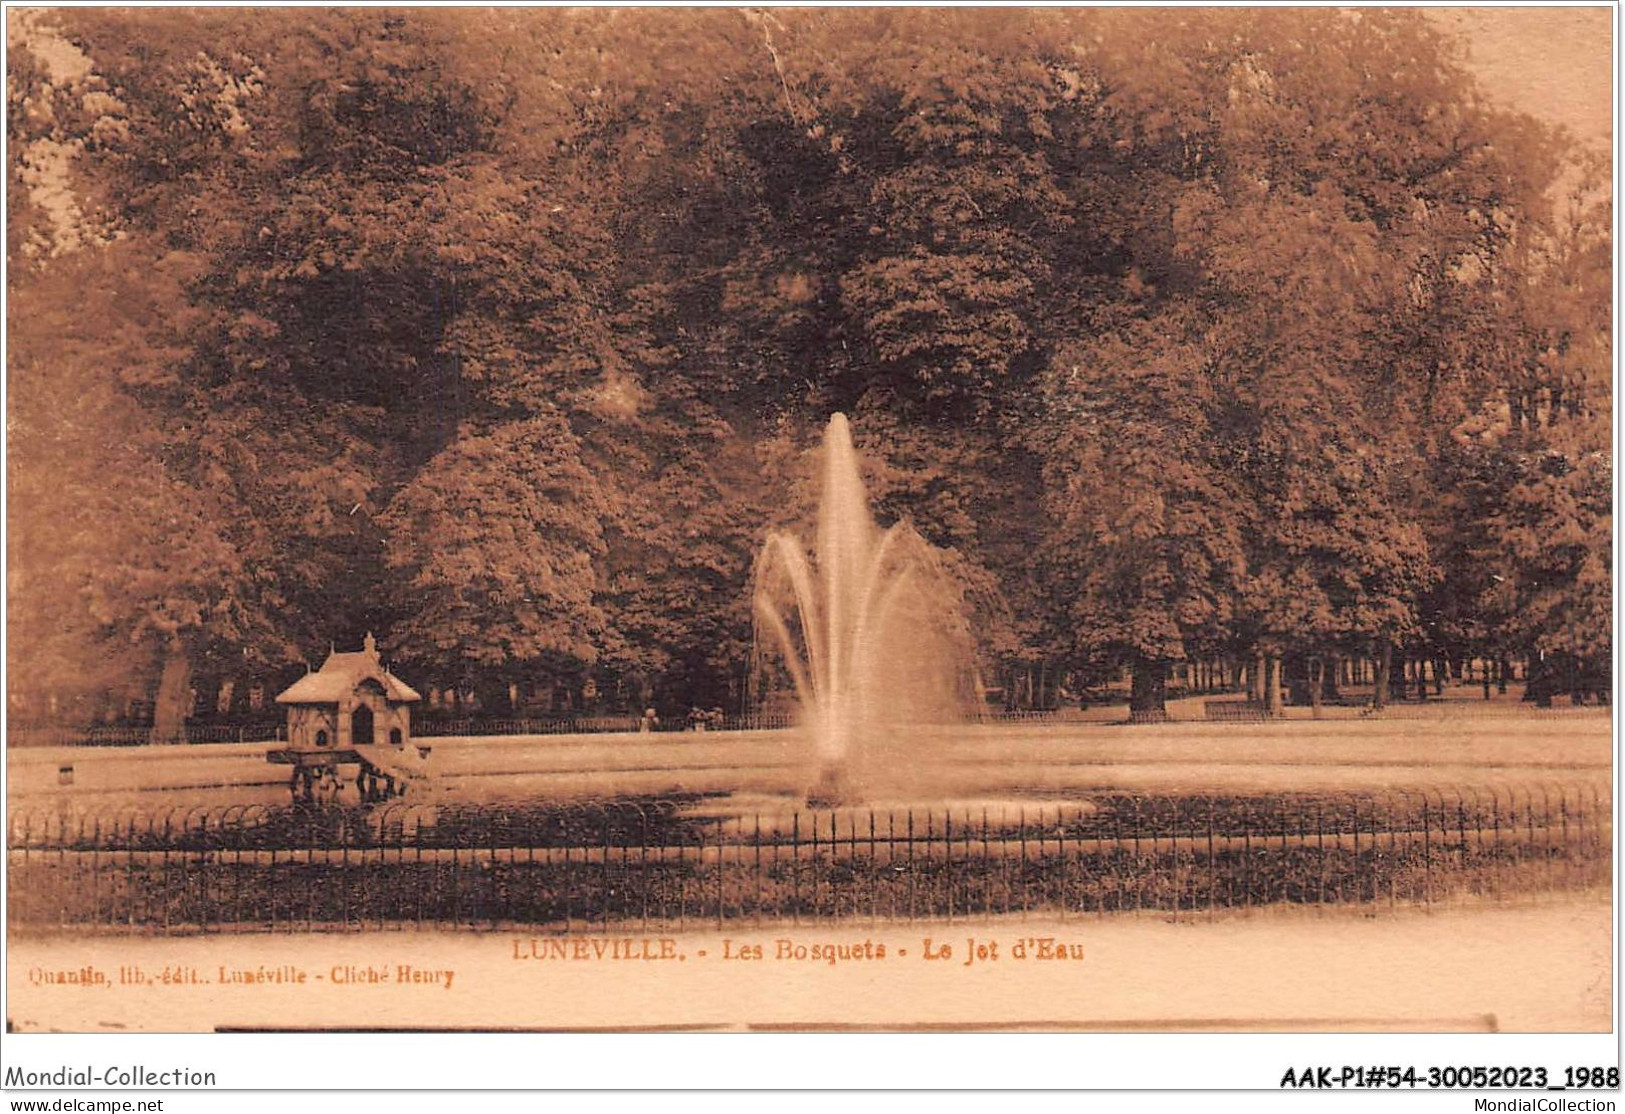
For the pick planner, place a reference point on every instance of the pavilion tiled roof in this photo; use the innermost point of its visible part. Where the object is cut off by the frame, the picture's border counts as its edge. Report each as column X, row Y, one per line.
column 339, row 676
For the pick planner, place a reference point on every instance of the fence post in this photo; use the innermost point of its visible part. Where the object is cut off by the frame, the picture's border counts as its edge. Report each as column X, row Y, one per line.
column 276, row 885
column 682, row 879
column 891, row 864
column 1546, row 825
column 1473, row 863
column 795, row 867
column 96, row 873
column 568, row 882
column 834, row 863
column 1427, row 844
column 1246, row 855
column 625, row 812
column 344, row 873
column 1393, row 840
column 1115, row 859
column 1596, row 825
column 1021, row 820
column 643, row 864
column 1529, row 822
column 875, row 873
column 1176, row 882
column 235, row 888
column 501, row 886
column 1138, row 871
column 206, row 858
column 817, row 872
column 417, row 864
column 60, row 888
column 756, row 869
column 165, row 859
column 1461, row 836
column 1065, row 864
column 1212, row 865
column 1568, row 849
column 130, row 887
column 987, row 867
column 911, row 882
column 1355, row 868
column 310, row 887
column 1582, row 845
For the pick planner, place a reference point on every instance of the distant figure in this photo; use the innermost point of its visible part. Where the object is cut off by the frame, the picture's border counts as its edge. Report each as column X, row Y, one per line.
column 649, row 721
column 696, row 719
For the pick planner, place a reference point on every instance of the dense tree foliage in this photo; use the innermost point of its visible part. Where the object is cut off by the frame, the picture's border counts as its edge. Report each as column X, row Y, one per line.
column 1187, row 335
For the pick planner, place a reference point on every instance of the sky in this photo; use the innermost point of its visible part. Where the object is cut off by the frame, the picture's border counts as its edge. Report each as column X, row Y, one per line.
column 1555, row 63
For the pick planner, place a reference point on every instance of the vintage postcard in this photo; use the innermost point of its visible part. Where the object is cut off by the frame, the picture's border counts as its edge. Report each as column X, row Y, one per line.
column 812, row 520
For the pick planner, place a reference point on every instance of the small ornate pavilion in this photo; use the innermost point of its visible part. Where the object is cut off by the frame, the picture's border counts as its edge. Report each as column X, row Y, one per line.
column 351, row 701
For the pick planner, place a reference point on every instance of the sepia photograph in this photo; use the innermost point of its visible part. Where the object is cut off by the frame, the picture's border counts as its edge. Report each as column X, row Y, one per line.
column 810, row 520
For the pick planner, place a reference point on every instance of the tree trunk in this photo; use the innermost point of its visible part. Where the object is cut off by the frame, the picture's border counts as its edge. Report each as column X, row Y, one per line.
column 1440, row 668
column 174, row 699
column 1317, row 684
column 1272, row 685
column 1384, row 663
column 1537, row 678
column 1255, row 681
column 1328, row 688
column 1484, row 675
column 1501, row 667
column 1420, row 671
column 1148, row 695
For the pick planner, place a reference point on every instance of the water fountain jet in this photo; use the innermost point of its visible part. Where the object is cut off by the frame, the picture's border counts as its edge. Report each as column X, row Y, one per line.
column 868, row 629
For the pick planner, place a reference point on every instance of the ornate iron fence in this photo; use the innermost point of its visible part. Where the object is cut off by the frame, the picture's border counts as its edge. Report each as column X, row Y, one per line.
column 67, row 735
column 671, row 864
